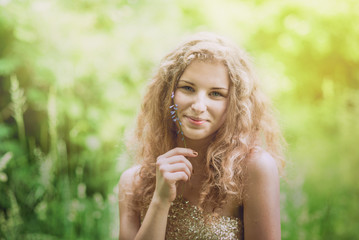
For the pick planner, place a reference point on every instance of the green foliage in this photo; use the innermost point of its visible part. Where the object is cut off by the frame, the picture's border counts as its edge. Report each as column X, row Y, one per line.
column 71, row 78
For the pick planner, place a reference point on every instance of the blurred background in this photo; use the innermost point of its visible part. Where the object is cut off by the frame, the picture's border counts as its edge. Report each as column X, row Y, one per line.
column 72, row 74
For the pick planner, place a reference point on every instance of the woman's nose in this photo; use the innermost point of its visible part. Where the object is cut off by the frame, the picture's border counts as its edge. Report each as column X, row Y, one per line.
column 199, row 104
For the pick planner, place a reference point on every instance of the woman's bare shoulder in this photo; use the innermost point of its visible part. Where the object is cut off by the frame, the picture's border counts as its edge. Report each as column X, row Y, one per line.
column 261, row 202
column 261, row 165
column 128, row 178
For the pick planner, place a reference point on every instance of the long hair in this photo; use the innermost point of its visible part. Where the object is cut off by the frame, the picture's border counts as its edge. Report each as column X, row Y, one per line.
column 250, row 122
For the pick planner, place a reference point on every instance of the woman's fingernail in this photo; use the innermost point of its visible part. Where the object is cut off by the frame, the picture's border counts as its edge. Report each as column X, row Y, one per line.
column 195, row 153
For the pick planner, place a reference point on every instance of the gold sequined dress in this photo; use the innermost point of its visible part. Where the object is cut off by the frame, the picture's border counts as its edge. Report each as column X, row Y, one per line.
column 186, row 222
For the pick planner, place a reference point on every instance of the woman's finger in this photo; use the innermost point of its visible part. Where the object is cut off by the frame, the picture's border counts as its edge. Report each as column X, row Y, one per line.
column 175, row 159
column 177, row 167
column 175, row 177
column 180, row 151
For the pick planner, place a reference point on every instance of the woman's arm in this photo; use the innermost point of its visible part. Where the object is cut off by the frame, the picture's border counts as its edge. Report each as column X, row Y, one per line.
column 262, row 202
column 129, row 219
column 171, row 167
column 155, row 221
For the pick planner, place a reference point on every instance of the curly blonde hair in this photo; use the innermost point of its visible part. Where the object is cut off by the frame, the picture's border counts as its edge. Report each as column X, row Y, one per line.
column 250, row 122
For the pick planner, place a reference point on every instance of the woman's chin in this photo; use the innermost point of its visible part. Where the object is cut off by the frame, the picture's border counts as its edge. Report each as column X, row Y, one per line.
column 196, row 137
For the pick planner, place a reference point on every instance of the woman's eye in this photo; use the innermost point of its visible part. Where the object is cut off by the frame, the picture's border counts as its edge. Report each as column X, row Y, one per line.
column 216, row 94
column 187, row 88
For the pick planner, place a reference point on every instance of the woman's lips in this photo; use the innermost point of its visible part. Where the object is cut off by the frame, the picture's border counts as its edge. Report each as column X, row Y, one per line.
column 196, row 121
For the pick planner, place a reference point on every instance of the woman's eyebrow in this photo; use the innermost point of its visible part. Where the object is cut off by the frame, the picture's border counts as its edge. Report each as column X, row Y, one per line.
column 220, row 88
column 215, row 88
column 181, row 80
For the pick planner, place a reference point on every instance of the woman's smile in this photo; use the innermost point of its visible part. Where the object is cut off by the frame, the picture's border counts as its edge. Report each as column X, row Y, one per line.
column 195, row 121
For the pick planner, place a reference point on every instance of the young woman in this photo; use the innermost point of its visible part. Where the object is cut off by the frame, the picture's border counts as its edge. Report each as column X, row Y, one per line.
column 209, row 150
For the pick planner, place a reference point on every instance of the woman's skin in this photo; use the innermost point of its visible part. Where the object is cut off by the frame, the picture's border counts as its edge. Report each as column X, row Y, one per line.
column 202, row 101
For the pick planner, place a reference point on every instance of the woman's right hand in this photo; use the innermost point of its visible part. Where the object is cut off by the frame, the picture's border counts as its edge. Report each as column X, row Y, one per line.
column 171, row 167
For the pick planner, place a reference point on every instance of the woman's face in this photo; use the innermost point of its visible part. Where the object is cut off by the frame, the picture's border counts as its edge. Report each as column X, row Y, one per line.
column 202, row 98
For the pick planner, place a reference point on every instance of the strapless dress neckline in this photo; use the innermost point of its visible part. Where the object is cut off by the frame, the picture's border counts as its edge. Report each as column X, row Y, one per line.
column 187, row 221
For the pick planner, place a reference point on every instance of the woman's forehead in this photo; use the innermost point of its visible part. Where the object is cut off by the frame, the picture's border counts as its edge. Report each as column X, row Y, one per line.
column 214, row 74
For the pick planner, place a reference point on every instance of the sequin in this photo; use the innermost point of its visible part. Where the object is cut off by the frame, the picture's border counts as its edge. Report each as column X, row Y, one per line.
column 186, row 221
